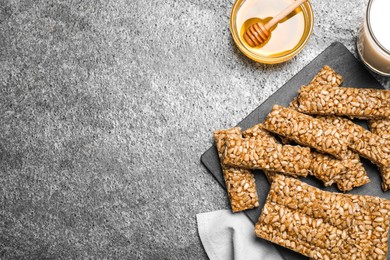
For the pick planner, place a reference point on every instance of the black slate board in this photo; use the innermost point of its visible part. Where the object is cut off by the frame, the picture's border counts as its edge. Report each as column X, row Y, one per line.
column 355, row 74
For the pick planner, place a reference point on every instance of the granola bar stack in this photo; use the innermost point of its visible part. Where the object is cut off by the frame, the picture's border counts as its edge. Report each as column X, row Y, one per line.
column 318, row 138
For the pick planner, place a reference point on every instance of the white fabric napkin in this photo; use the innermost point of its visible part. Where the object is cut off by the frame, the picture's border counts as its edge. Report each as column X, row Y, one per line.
column 226, row 236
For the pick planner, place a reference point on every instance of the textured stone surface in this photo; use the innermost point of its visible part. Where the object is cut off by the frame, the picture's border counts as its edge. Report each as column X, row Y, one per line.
column 105, row 109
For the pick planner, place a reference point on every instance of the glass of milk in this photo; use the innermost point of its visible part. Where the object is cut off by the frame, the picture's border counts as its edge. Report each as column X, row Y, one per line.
column 373, row 43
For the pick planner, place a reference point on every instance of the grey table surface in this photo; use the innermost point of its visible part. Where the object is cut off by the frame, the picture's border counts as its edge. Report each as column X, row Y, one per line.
column 105, row 109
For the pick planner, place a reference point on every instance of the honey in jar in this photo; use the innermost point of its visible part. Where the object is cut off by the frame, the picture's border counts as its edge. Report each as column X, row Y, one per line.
column 287, row 37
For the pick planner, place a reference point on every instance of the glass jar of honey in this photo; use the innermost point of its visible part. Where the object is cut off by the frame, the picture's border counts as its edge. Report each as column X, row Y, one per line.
column 288, row 37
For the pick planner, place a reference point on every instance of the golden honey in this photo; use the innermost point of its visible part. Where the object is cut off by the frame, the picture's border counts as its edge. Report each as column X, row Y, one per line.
column 287, row 37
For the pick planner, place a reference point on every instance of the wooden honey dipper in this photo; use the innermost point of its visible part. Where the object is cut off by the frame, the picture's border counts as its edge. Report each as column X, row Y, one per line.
column 257, row 33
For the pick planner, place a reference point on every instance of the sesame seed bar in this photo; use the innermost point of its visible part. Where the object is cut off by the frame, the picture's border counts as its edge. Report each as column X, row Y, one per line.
column 307, row 130
column 354, row 175
column 240, row 183
column 364, row 142
column 258, row 132
column 382, row 128
column 353, row 178
column 271, row 175
column 326, row 168
column 250, row 153
column 327, row 76
column 348, row 173
column 294, row 104
column 324, row 225
column 352, row 102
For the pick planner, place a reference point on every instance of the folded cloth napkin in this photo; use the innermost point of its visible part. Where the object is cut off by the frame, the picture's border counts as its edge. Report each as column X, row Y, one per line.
column 226, row 236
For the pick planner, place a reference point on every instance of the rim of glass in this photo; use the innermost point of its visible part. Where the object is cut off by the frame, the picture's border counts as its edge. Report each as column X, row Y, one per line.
column 308, row 16
column 370, row 29
column 371, row 67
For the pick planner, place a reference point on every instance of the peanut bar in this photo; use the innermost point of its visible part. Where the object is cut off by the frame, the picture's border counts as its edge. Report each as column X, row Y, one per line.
column 308, row 131
column 324, row 167
column 364, row 142
column 354, row 175
column 258, row 132
column 240, row 183
column 382, row 128
column 324, row 225
column 327, row 76
column 250, row 153
column 348, row 173
column 353, row 102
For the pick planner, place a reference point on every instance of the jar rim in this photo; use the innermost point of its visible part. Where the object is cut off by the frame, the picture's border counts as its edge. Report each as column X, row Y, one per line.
column 370, row 28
